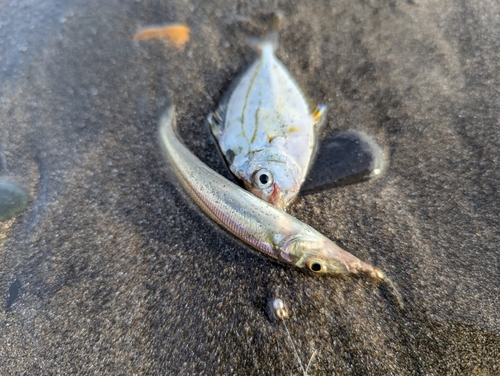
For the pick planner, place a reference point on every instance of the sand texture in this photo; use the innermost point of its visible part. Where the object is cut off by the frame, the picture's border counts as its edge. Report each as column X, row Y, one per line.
column 111, row 270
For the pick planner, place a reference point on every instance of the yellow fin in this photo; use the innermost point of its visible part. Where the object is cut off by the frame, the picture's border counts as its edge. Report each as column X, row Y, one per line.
column 270, row 138
column 319, row 116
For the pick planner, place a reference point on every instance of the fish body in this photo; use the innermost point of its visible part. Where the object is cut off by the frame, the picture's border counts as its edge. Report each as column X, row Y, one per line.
column 252, row 220
column 266, row 129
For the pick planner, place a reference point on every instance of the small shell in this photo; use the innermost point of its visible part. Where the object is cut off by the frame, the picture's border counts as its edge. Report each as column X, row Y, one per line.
column 280, row 309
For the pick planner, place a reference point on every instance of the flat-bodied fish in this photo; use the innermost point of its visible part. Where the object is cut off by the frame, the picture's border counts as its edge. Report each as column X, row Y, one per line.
column 254, row 221
column 266, row 129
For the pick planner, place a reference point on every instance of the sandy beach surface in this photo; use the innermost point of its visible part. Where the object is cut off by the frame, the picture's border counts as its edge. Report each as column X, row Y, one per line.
column 111, row 270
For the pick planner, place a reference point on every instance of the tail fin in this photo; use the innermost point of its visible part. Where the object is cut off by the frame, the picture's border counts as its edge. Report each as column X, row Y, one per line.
column 268, row 41
column 269, row 38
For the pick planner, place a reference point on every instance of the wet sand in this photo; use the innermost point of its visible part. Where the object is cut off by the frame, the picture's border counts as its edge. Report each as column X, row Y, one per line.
column 111, row 270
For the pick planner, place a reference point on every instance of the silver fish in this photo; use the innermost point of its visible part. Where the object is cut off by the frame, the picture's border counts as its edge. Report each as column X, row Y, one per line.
column 256, row 222
column 266, row 129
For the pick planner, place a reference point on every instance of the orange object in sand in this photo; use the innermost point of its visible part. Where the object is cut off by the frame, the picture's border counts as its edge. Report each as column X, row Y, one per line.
column 178, row 34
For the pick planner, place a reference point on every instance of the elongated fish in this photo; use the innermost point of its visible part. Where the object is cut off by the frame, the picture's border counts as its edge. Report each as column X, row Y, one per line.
column 266, row 129
column 256, row 222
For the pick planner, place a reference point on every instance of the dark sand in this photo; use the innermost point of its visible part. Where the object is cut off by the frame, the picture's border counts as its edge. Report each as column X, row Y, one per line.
column 112, row 271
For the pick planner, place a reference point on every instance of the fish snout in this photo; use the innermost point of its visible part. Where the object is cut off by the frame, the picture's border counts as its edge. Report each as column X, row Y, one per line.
column 281, row 198
column 277, row 198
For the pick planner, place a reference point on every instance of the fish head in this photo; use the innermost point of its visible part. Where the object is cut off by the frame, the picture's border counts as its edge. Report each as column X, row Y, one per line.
column 273, row 177
column 320, row 255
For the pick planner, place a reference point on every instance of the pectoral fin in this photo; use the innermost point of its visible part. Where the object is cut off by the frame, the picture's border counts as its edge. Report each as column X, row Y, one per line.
column 319, row 115
column 216, row 121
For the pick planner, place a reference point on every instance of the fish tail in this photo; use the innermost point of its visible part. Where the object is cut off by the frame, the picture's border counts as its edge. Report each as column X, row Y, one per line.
column 267, row 41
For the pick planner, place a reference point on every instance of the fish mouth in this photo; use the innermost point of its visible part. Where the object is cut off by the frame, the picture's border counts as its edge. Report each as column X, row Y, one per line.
column 278, row 198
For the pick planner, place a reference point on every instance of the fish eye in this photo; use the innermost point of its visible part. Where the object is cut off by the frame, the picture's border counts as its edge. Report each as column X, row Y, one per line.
column 263, row 178
column 317, row 267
